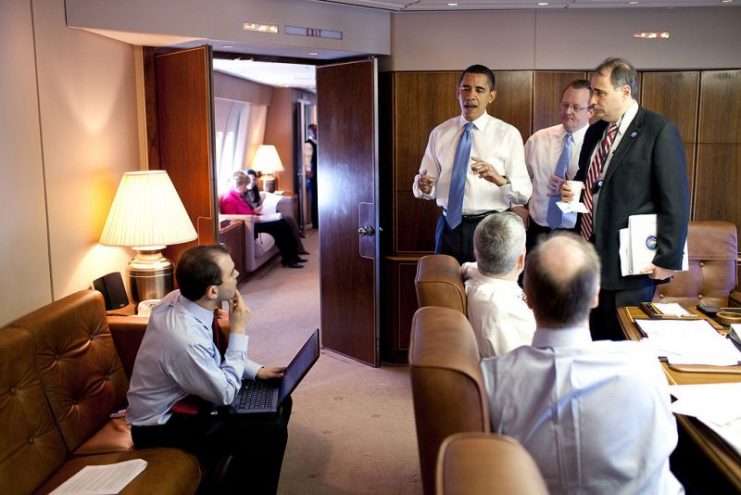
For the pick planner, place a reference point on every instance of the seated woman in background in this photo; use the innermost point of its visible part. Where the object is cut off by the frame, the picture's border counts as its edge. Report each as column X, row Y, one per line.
column 234, row 203
column 253, row 198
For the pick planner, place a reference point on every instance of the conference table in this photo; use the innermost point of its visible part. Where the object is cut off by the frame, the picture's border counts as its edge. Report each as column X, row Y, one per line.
column 721, row 455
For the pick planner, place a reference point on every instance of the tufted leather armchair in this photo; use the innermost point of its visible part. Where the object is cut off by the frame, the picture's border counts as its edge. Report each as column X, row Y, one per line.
column 60, row 378
column 712, row 275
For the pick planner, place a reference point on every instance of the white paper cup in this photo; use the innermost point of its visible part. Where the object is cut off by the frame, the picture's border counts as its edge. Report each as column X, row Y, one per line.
column 576, row 187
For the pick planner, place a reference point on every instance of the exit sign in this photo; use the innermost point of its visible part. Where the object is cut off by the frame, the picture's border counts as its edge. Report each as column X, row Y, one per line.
column 310, row 32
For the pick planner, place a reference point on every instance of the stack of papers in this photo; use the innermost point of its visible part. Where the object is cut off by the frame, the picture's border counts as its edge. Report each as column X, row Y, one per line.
column 718, row 405
column 689, row 342
column 638, row 245
column 102, row 480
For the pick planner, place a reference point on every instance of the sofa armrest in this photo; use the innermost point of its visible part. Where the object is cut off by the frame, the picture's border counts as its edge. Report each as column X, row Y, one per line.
column 127, row 332
column 285, row 206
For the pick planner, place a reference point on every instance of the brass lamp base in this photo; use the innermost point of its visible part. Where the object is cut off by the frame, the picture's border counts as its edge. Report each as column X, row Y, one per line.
column 150, row 275
column 269, row 182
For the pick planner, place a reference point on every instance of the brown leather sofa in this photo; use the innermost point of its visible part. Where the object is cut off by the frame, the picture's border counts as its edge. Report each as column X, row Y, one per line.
column 447, row 383
column 60, row 378
column 480, row 464
column 712, row 275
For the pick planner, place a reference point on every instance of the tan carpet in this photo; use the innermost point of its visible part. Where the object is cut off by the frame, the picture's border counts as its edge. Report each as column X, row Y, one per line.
column 352, row 428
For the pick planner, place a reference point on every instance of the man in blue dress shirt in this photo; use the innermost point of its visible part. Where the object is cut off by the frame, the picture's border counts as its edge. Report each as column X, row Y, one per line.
column 179, row 364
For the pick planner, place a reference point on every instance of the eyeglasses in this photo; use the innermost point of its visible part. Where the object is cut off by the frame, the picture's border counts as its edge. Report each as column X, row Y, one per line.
column 575, row 108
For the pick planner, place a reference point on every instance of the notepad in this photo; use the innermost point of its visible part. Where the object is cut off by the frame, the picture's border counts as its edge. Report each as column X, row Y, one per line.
column 102, row 480
column 688, row 342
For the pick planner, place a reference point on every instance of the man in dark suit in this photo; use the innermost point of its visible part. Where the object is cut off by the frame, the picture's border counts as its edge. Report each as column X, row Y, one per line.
column 632, row 162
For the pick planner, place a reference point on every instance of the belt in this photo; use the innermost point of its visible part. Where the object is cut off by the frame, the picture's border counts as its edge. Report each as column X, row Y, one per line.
column 473, row 218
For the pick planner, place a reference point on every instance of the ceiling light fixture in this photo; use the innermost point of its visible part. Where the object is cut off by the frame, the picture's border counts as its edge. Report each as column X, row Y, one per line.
column 652, row 36
column 313, row 54
column 452, row 4
column 260, row 28
column 542, row 4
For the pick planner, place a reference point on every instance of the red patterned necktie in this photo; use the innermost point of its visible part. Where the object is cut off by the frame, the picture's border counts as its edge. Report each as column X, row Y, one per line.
column 595, row 168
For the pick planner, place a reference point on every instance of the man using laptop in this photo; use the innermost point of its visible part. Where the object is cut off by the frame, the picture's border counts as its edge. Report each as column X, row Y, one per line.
column 179, row 365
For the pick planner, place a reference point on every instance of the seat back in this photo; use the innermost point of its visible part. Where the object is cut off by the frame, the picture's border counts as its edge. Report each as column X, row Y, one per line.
column 447, row 384
column 81, row 373
column 480, row 464
column 439, row 283
column 31, row 446
column 713, row 248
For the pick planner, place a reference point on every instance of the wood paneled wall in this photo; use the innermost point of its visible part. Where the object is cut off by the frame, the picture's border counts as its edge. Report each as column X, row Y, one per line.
column 705, row 106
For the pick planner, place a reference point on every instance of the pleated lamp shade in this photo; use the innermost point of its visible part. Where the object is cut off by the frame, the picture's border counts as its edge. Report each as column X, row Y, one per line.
column 147, row 213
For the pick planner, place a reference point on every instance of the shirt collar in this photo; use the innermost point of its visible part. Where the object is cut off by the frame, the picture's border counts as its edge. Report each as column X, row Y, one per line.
column 479, row 123
column 578, row 134
column 627, row 118
column 201, row 314
column 576, row 336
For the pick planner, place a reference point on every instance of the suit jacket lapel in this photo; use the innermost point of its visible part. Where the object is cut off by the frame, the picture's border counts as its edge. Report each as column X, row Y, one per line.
column 626, row 142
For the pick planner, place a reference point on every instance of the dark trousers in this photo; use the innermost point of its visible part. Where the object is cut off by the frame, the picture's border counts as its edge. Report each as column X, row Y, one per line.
column 457, row 242
column 534, row 233
column 256, row 445
column 288, row 245
column 603, row 320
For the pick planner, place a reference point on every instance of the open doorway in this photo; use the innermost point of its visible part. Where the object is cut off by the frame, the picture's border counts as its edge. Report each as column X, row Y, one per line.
column 267, row 103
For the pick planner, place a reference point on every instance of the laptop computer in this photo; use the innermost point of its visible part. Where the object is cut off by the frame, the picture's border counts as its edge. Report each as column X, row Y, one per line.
column 265, row 397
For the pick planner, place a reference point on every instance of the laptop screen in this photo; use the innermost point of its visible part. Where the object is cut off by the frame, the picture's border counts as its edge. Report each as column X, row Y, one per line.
column 300, row 365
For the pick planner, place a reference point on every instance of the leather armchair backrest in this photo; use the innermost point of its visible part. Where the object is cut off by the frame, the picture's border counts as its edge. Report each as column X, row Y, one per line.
column 80, row 371
column 447, row 383
column 713, row 248
column 481, row 464
column 439, row 283
column 31, row 447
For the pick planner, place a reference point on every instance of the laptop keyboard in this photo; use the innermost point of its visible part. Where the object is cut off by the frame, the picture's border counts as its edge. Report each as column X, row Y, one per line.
column 255, row 395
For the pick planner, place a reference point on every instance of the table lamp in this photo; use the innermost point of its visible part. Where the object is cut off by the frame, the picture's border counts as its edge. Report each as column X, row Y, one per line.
column 267, row 162
column 147, row 215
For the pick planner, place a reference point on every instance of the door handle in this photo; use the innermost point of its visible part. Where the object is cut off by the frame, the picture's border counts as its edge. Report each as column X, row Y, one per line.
column 367, row 230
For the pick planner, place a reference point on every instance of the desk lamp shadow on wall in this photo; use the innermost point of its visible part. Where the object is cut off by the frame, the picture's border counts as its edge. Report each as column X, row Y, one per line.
column 147, row 215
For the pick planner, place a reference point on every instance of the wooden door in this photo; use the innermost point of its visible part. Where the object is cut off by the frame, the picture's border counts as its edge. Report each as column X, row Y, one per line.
column 180, row 125
column 348, row 191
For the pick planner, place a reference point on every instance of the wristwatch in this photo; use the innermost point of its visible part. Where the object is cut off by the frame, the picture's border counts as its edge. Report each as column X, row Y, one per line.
column 506, row 180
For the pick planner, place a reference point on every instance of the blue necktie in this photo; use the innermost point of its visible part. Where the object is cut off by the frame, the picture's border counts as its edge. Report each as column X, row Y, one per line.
column 555, row 215
column 458, row 178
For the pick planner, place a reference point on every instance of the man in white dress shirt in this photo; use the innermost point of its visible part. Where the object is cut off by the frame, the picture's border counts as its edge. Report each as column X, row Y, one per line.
column 594, row 415
column 543, row 156
column 493, row 164
column 499, row 315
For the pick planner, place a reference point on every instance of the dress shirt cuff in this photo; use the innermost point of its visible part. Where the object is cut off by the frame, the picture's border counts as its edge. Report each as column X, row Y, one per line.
column 238, row 342
column 250, row 369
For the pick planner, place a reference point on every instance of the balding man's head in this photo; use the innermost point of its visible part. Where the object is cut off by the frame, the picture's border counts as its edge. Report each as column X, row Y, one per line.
column 562, row 278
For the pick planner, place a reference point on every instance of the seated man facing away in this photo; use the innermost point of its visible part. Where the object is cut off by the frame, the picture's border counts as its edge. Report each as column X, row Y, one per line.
column 178, row 358
column 500, row 318
column 594, row 415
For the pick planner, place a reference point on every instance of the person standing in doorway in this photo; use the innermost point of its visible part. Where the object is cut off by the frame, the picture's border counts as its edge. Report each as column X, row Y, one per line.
column 310, row 162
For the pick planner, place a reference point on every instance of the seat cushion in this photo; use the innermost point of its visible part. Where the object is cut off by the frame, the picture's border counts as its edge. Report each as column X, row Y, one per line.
column 168, row 471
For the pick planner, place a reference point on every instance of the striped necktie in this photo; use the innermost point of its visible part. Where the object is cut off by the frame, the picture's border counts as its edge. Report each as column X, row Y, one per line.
column 595, row 169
